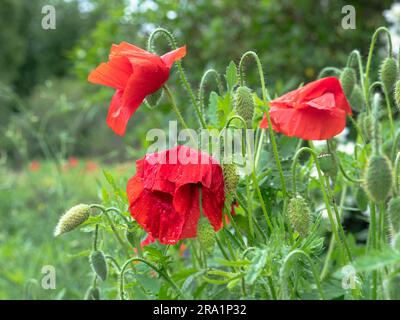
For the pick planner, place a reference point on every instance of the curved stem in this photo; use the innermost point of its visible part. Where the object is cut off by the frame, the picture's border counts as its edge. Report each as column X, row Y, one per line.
column 265, row 96
column 291, row 256
column 342, row 170
column 343, row 243
column 204, row 78
column 327, row 70
column 356, row 53
column 370, row 54
column 159, row 271
column 186, row 85
column 388, row 105
column 95, row 236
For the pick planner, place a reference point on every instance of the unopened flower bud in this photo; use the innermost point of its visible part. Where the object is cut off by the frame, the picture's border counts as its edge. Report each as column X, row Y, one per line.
column 299, row 215
column 205, row 235
column 357, row 99
column 244, row 104
column 231, row 178
column 394, row 214
column 378, row 178
column 98, row 263
column 388, row 73
column 72, row 219
column 348, row 79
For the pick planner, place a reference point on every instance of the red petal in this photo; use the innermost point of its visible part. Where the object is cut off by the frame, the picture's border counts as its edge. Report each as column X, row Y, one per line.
column 172, row 56
column 114, row 74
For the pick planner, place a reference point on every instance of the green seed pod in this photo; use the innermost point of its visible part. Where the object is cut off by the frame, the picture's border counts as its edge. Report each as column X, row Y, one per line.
column 92, row 294
column 206, row 235
column 361, row 199
column 231, row 178
column 366, row 127
column 348, row 79
column 299, row 215
column 98, row 263
column 394, row 214
column 388, row 74
column 327, row 163
column 397, row 94
column 72, row 219
column 244, row 104
column 378, row 178
column 357, row 99
column 392, row 287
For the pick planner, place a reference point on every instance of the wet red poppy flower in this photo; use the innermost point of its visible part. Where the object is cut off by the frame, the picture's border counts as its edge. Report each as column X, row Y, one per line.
column 316, row 111
column 134, row 73
column 164, row 193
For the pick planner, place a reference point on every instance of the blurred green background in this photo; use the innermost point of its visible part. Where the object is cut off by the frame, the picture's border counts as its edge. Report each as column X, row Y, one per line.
column 53, row 137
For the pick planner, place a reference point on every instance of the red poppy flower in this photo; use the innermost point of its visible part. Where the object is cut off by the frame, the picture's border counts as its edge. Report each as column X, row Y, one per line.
column 34, row 166
column 316, row 111
column 164, row 193
column 134, row 73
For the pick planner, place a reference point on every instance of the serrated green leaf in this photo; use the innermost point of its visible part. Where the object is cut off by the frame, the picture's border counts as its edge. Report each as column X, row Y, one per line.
column 231, row 76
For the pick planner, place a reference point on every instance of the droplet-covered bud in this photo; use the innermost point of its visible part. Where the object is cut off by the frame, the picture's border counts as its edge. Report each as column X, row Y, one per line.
column 244, row 104
column 397, row 93
column 92, row 294
column 98, row 263
column 231, row 178
column 299, row 215
column 357, row 99
column 378, row 178
column 388, row 74
column 394, row 214
column 206, row 235
column 327, row 164
column 72, row 219
column 348, row 79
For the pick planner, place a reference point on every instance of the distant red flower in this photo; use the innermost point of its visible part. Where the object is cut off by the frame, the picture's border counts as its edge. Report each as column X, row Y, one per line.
column 91, row 166
column 164, row 193
column 182, row 249
column 34, row 166
column 73, row 162
column 134, row 73
column 316, row 111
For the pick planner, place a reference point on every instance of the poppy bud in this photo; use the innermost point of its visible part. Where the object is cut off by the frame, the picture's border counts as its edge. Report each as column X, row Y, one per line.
column 394, row 214
column 299, row 215
column 397, row 94
column 72, row 219
column 388, row 74
column 244, row 104
column 378, row 178
column 348, row 79
column 366, row 126
column 231, row 178
column 206, row 235
column 362, row 199
column 98, row 263
column 327, row 164
column 357, row 99
column 92, row 294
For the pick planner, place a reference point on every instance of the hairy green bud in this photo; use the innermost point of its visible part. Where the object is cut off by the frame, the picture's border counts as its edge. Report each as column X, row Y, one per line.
column 231, row 178
column 72, row 219
column 361, row 199
column 378, row 178
column 348, row 79
column 206, row 235
column 388, row 73
column 397, row 94
column 394, row 214
column 98, row 264
column 244, row 104
column 357, row 99
column 299, row 215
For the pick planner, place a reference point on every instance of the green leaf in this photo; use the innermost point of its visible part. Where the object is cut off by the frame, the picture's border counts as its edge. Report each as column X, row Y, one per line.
column 231, row 76
column 257, row 266
column 237, row 263
column 110, row 179
column 377, row 259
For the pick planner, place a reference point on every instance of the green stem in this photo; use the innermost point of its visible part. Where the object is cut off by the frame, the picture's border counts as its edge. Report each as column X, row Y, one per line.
column 265, row 96
column 204, row 78
column 283, row 272
column 172, row 42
